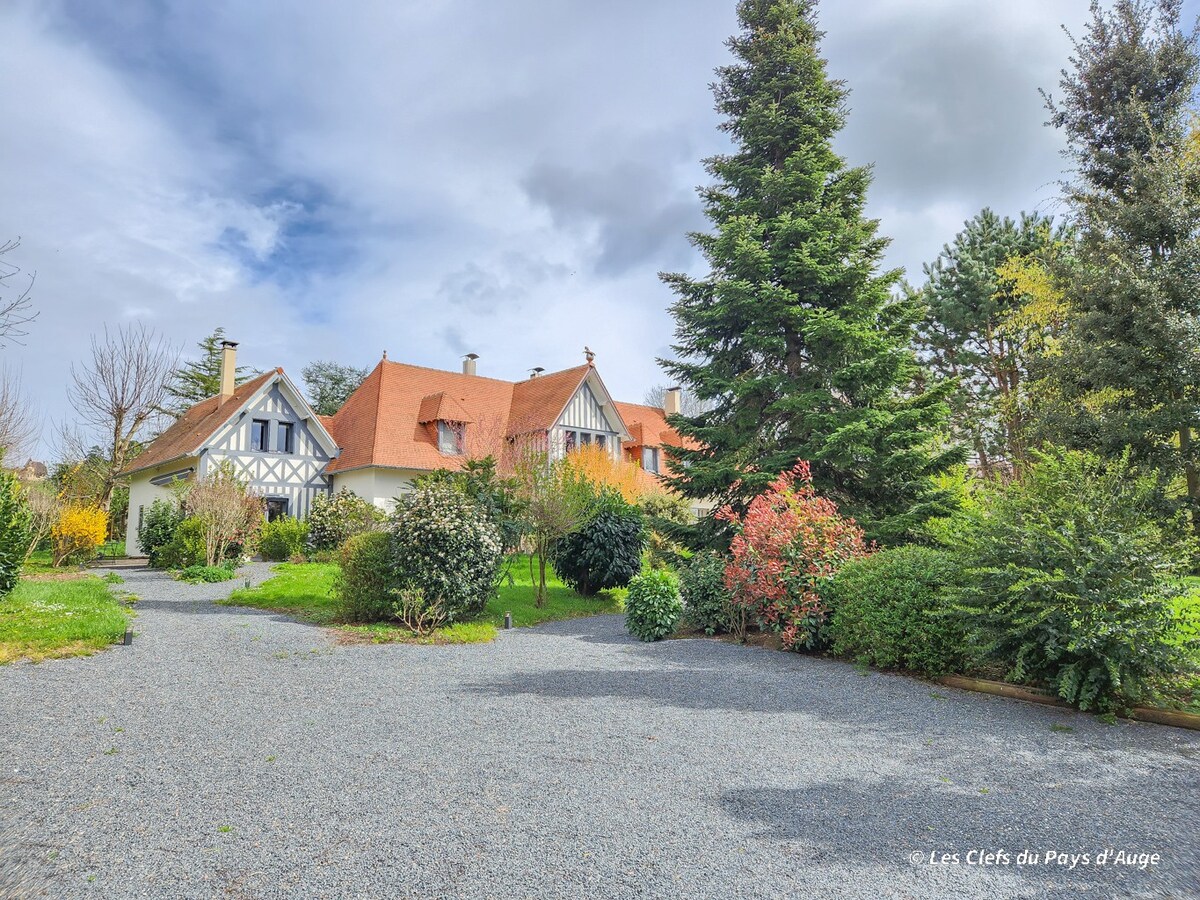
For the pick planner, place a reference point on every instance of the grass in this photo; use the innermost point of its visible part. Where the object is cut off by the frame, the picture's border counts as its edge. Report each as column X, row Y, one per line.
column 306, row 591
column 50, row 619
column 41, row 562
column 303, row 590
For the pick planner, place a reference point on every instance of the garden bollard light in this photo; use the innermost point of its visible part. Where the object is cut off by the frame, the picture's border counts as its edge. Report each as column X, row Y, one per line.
column 128, row 638
column 507, row 620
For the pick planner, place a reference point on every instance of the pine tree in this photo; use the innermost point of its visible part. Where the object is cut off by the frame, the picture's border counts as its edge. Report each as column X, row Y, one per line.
column 199, row 379
column 794, row 336
column 974, row 330
column 329, row 384
column 1129, row 372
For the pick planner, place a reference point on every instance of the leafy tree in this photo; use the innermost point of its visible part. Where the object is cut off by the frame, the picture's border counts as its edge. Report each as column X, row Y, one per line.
column 329, row 384
column 199, row 379
column 606, row 552
column 1128, row 374
column 794, row 335
column 975, row 330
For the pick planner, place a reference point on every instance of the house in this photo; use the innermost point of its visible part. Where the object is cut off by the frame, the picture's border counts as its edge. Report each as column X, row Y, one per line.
column 402, row 421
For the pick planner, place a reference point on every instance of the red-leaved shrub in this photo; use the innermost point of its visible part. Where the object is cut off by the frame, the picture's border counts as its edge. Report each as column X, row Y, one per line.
column 788, row 540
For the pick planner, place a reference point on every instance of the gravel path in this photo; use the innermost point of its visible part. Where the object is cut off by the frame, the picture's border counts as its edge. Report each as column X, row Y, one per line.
column 236, row 753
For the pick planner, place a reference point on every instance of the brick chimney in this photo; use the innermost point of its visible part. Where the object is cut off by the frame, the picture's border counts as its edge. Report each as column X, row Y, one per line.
column 469, row 363
column 672, row 401
column 228, row 368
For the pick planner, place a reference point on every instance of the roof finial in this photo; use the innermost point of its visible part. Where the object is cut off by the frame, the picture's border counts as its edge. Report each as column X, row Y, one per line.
column 588, row 355
column 385, row 354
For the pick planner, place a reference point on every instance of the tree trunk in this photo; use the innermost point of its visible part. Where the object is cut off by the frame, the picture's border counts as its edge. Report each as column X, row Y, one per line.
column 541, row 594
column 1190, row 475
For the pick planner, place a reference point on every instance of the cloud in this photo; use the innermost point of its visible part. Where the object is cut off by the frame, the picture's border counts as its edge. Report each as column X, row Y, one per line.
column 446, row 177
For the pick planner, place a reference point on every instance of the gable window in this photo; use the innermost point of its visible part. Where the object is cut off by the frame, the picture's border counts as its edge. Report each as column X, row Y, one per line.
column 450, row 437
column 285, row 438
column 260, row 431
column 585, row 438
column 601, row 441
column 650, row 459
column 572, row 440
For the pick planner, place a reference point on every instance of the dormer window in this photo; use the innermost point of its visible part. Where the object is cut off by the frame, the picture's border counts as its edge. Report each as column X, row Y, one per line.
column 650, row 459
column 451, row 437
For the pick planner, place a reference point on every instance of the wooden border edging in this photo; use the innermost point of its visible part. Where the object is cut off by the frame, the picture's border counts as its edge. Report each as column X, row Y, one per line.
column 1174, row 717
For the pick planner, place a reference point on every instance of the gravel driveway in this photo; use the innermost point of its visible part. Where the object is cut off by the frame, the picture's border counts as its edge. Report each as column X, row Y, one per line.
column 236, row 753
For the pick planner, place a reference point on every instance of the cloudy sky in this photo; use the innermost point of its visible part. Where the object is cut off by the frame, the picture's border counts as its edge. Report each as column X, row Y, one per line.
column 331, row 180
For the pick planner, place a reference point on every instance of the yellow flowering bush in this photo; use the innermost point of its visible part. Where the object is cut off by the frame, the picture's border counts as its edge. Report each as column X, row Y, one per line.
column 80, row 529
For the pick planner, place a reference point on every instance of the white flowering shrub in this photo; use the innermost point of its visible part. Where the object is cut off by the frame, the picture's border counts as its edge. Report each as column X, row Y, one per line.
column 446, row 546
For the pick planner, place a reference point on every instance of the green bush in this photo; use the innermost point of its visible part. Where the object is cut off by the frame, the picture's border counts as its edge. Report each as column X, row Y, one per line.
column 282, row 539
column 604, row 553
column 365, row 586
column 1073, row 573
column 444, row 544
column 186, row 547
column 157, row 529
column 495, row 495
column 653, row 607
column 668, row 519
column 893, row 609
column 14, row 531
column 201, row 573
column 706, row 601
column 335, row 518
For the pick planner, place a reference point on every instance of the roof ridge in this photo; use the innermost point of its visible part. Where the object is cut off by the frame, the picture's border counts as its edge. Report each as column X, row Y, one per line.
column 394, row 362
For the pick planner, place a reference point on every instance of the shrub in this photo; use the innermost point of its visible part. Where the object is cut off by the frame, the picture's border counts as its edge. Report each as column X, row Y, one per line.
column 653, row 607
column 158, row 529
column 186, row 547
column 282, row 539
column 597, row 466
column 14, row 531
column 335, row 518
column 200, row 573
column 77, row 533
column 230, row 517
column 707, row 604
column 1073, row 572
column 418, row 613
column 788, row 541
column 496, row 496
column 606, row 552
column 444, row 544
column 364, row 587
column 893, row 609
column 667, row 516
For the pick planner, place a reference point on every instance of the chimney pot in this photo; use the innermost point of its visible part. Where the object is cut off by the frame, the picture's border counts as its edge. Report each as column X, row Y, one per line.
column 672, row 401
column 469, row 363
column 228, row 368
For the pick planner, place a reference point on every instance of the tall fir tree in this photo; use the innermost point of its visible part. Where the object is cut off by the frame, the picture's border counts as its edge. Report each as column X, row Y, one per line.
column 1129, row 371
column 794, row 336
column 199, row 379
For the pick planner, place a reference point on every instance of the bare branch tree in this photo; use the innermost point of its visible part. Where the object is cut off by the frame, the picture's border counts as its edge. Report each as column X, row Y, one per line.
column 18, row 425
column 16, row 310
column 119, row 390
column 690, row 404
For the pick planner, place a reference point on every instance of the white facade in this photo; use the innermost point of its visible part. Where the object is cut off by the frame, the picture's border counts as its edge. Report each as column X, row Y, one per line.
column 377, row 484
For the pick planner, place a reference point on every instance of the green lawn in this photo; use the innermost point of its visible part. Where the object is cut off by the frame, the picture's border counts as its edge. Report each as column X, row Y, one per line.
column 47, row 619
column 302, row 590
column 39, row 562
column 306, row 592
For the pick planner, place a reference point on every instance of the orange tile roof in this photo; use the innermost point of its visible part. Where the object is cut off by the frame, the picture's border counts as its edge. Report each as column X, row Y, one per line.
column 189, row 432
column 385, row 422
column 648, row 426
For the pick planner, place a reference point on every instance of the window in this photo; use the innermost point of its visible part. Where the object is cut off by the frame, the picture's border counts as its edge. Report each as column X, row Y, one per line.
column 450, row 437
column 285, row 438
column 260, row 430
column 601, row 441
column 572, row 440
column 585, row 438
column 650, row 459
column 277, row 508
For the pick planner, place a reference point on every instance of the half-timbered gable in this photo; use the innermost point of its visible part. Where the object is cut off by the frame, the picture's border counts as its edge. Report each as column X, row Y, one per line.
column 263, row 429
column 589, row 418
column 278, row 446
